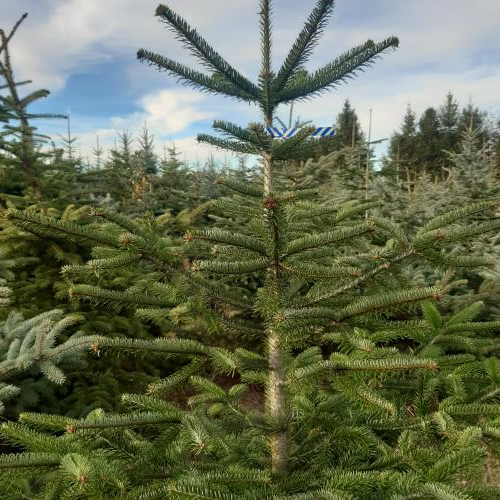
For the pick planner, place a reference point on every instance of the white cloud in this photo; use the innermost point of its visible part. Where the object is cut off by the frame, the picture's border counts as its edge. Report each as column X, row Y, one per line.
column 166, row 113
column 61, row 38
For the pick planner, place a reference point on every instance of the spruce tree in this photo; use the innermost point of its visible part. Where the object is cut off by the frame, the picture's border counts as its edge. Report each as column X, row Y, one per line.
column 26, row 160
column 429, row 144
column 472, row 117
column 495, row 147
column 469, row 176
column 348, row 130
column 6, row 275
column 448, row 115
column 402, row 150
column 357, row 395
column 472, row 169
column 146, row 153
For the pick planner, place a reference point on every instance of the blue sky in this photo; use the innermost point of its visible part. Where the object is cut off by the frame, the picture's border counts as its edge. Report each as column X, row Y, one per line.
column 84, row 52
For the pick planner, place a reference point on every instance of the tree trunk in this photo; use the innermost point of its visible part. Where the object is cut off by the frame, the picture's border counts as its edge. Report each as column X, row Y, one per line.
column 275, row 395
column 276, row 405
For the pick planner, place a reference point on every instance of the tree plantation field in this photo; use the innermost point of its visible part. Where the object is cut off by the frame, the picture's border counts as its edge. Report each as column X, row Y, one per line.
column 306, row 323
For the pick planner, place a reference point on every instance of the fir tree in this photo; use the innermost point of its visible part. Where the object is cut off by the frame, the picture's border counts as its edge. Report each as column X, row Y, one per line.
column 429, row 146
column 359, row 398
column 472, row 117
column 448, row 116
column 147, row 169
column 33, row 270
column 348, row 129
column 26, row 159
column 402, row 151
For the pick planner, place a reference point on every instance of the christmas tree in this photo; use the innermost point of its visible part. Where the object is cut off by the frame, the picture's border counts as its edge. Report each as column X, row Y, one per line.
column 355, row 387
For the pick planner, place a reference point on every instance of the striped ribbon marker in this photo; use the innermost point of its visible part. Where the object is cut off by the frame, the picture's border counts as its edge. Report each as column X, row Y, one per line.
column 280, row 133
column 324, row 132
column 286, row 133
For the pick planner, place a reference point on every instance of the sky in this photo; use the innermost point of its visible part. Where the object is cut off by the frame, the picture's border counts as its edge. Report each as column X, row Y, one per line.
column 84, row 52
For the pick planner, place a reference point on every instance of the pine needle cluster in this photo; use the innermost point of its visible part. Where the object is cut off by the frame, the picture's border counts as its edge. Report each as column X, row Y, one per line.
column 31, row 347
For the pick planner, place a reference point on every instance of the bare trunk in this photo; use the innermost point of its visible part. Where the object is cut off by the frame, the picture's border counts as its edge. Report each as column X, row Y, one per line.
column 276, row 404
column 275, row 395
column 268, row 174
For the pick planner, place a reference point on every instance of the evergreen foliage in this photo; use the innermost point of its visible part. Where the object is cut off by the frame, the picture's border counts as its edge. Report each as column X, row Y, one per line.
column 311, row 347
column 30, row 347
column 358, row 398
column 348, row 129
column 422, row 146
column 24, row 157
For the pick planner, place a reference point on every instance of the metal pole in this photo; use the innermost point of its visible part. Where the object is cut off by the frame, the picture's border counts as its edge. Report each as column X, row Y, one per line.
column 70, row 152
column 367, row 171
column 397, row 162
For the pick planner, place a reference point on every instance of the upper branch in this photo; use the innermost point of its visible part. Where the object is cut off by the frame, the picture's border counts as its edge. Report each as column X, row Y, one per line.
column 194, row 78
column 201, row 49
column 265, row 75
column 7, row 39
column 305, row 42
column 338, row 70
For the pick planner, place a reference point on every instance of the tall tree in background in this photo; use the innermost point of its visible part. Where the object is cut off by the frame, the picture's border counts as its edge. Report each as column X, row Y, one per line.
column 177, row 187
column 124, row 174
column 495, row 147
column 429, row 151
column 148, row 160
column 472, row 118
column 402, row 149
column 348, row 129
column 422, row 148
column 448, row 116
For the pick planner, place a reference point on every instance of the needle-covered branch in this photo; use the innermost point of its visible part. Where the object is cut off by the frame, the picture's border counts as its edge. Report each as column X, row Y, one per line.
column 337, row 72
column 303, row 46
column 31, row 345
column 203, row 51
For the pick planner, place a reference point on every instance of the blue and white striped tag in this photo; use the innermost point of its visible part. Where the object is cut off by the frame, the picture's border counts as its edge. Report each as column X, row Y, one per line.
column 280, row 133
column 323, row 132
column 286, row 133
column 289, row 132
column 274, row 132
